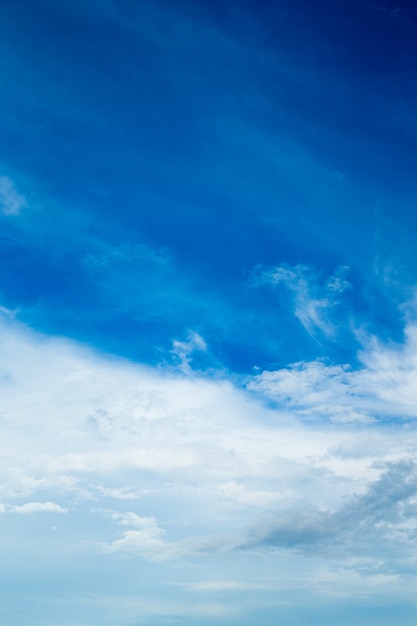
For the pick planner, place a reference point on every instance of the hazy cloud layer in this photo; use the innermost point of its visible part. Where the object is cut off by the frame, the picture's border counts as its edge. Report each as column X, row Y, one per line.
column 201, row 467
column 11, row 202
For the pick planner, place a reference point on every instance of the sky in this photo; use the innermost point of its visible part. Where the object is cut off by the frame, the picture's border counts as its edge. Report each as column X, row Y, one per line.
column 208, row 313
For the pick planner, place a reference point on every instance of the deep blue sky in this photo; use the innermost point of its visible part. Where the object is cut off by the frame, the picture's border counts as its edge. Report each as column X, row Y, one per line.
column 223, row 136
column 208, row 311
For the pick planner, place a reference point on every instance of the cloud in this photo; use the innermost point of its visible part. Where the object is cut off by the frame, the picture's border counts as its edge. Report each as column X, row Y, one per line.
column 385, row 515
column 123, row 493
column 145, row 538
column 183, row 350
column 126, row 256
column 11, row 202
column 313, row 299
column 315, row 390
column 37, row 507
column 10, row 313
column 221, row 585
column 383, row 386
column 204, row 469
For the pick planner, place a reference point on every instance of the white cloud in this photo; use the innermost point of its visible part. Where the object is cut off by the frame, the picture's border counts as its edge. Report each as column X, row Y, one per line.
column 144, row 538
column 11, row 202
column 313, row 298
column 183, row 350
column 37, row 507
column 316, row 390
column 123, row 493
column 383, row 386
column 208, row 469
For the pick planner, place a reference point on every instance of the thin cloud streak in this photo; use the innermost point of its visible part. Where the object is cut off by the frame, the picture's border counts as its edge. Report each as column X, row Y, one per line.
column 11, row 202
column 314, row 300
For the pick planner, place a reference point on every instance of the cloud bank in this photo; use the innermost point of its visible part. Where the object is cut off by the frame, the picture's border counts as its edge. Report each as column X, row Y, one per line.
column 174, row 465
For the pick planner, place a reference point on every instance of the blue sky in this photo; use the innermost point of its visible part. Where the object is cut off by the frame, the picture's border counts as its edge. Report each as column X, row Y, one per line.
column 208, row 313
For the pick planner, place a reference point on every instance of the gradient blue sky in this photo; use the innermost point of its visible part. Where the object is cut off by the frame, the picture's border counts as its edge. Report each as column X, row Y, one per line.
column 208, row 329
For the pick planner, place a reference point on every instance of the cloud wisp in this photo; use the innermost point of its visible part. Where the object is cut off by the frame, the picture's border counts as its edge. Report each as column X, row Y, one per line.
column 11, row 201
column 382, row 386
column 314, row 300
column 34, row 507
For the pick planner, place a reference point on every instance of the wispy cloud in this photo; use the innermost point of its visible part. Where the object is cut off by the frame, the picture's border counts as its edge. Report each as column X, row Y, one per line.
column 168, row 165
column 314, row 298
column 222, row 585
column 183, row 350
column 11, row 202
column 35, row 507
column 316, row 390
column 383, row 386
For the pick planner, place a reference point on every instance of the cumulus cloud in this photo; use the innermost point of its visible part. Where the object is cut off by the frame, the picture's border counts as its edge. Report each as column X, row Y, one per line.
column 11, row 202
column 143, row 537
